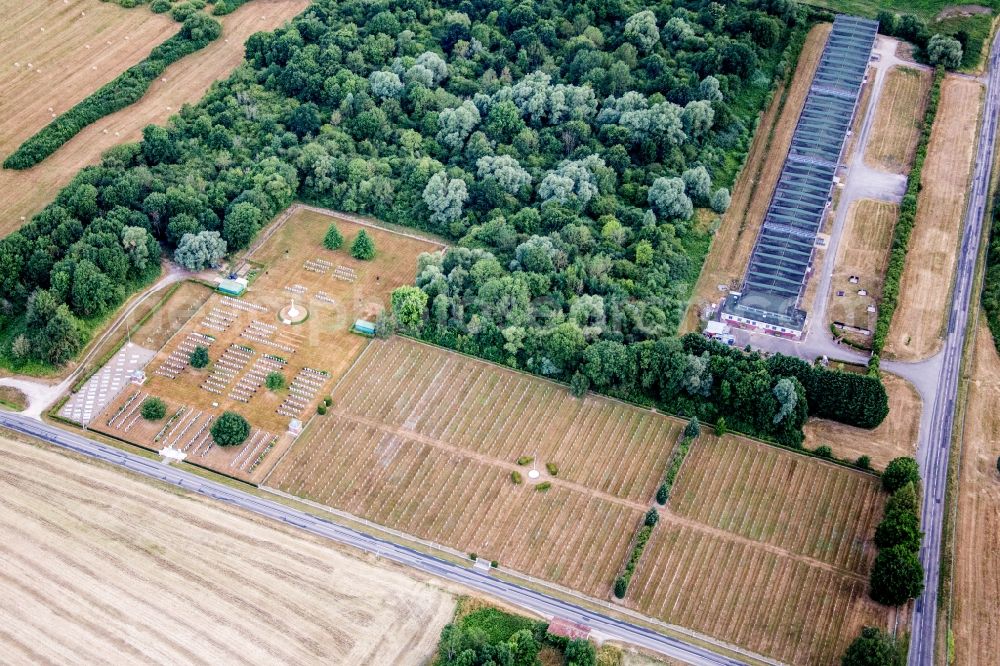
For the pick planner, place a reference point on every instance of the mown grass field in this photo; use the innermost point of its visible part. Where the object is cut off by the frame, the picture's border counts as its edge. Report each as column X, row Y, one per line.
column 898, row 118
column 424, row 440
column 925, row 288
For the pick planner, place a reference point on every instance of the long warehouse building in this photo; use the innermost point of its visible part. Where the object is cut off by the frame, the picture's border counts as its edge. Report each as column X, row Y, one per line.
column 782, row 255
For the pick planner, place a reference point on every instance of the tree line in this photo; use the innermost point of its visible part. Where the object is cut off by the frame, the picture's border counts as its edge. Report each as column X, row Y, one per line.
column 571, row 141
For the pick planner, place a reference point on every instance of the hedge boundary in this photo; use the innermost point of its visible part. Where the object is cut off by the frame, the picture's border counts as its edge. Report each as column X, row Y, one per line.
column 124, row 90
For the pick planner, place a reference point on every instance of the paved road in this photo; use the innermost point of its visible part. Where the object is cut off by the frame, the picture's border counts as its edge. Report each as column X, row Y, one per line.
column 607, row 627
column 934, row 451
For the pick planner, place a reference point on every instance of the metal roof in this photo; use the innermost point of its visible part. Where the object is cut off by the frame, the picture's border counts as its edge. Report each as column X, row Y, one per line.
column 779, row 264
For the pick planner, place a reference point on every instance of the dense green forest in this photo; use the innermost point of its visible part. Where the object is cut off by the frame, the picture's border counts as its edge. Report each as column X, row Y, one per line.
column 565, row 148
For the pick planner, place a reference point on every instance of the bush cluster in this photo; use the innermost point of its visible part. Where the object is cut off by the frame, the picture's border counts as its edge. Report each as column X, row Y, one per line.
column 126, row 89
column 663, row 492
column 897, row 574
column 904, row 227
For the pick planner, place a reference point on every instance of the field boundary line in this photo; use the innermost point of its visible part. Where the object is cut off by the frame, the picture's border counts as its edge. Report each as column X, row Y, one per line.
column 538, row 582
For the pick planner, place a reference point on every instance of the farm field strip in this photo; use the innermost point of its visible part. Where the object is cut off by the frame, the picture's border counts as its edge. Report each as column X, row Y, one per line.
column 728, row 485
column 896, row 128
column 133, row 33
column 926, row 284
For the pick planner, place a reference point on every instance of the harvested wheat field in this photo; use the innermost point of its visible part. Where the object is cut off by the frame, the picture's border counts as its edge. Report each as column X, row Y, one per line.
column 426, row 441
column 896, row 436
column 56, row 53
column 247, row 339
column 783, row 569
column 977, row 564
column 925, row 289
column 727, row 258
column 99, row 563
column 895, row 132
column 24, row 193
column 862, row 258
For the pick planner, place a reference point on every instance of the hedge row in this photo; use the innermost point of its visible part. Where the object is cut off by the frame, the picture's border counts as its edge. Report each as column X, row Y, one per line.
column 641, row 539
column 223, row 7
column 991, row 280
column 663, row 492
column 196, row 32
column 904, row 228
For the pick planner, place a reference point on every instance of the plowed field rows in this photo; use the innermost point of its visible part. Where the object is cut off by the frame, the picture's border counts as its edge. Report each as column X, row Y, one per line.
column 768, row 602
column 759, row 547
column 462, row 502
column 605, row 445
column 763, row 493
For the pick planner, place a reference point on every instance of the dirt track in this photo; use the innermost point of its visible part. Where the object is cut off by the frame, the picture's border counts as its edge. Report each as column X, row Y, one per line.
column 100, row 567
column 24, row 193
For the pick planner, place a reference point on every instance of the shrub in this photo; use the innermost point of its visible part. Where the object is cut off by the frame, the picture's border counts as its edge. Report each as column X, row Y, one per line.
column 363, row 247
column 872, row 648
column 552, row 468
column 275, row 381
column 652, row 517
column 579, row 384
column 899, row 472
column 199, row 357
column 321, row 409
column 824, row 451
column 515, row 477
column 494, row 563
column 720, row 426
column 543, row 486
column 864, row 462
column 473, row 557
column 230, row 429
column 998, row 463
column 661, row 494
column 328, row 401
column 525, row 460
column 153, row 409
column 333, row 239
column 621, row 586
column 160, row 6
column 692, row 429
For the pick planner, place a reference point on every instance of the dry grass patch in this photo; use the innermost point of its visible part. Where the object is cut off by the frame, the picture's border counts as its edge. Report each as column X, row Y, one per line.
column 13, row 398
column 977, row 567
column 246, row 340
column 925, row 289
column 727, row 258
column 783, row 571
column 898, row 119
column 99, row 563
column 67, row 78
column 863, row 254
column 896, row 436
